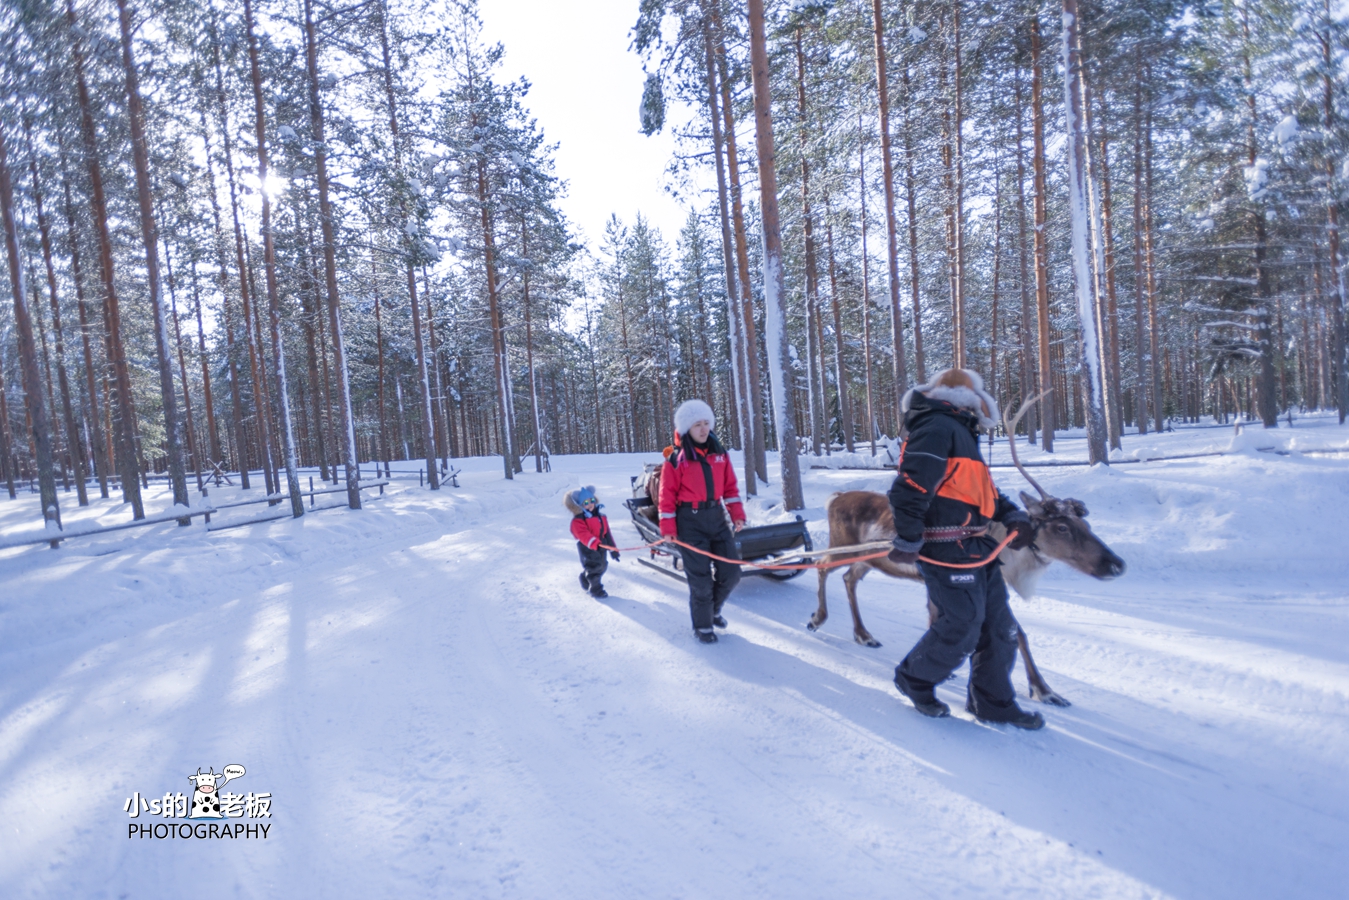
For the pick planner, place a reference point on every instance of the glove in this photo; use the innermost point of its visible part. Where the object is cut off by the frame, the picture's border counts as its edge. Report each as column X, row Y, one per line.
column 902, row 557
column 613, row 554
column 1023, row 534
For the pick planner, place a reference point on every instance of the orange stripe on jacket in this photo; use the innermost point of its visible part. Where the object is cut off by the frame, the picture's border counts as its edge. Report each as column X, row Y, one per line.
column 968, row 481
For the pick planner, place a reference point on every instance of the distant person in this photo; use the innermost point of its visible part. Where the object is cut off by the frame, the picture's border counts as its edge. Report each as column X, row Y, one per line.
column 590, row 527
column 943, row 500
column 697, row 492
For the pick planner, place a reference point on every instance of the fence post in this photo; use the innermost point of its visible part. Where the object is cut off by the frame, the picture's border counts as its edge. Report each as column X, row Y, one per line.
column 311, row 491
column 421, row 477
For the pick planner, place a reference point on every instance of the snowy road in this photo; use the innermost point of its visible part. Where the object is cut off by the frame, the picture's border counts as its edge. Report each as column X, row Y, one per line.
column 438, row 710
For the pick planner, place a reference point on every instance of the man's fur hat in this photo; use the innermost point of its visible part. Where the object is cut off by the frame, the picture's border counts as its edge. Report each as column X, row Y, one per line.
column 963, row 389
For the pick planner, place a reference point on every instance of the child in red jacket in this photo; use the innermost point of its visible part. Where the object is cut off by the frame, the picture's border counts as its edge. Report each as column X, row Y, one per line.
column 698, row 491
column 590, row 527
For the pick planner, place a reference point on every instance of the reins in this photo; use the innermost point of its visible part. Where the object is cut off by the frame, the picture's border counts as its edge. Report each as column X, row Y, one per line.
column 823, row 564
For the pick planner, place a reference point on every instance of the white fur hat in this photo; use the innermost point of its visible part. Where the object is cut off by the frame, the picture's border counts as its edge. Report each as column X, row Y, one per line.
column 963, row 389
column 690, row 413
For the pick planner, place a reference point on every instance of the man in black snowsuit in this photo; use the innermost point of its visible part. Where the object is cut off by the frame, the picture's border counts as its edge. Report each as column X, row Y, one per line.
column 943, row 500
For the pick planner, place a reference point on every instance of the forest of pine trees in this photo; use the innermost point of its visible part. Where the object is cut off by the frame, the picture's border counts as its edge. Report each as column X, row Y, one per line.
column 272, row 234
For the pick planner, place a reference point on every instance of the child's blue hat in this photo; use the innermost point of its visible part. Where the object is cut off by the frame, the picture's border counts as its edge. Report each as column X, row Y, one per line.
column 585, row 495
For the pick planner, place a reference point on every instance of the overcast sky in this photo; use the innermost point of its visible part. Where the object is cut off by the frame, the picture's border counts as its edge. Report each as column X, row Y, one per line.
column 587, row 88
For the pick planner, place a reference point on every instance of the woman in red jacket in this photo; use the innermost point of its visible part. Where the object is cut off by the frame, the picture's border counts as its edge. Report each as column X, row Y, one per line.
column 697, row 491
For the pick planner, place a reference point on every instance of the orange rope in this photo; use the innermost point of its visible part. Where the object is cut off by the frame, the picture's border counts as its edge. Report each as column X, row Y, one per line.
column 830, row 565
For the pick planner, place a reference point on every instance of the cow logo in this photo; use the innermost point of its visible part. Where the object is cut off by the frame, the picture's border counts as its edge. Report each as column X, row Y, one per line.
column 206, row 791
column 210, row 811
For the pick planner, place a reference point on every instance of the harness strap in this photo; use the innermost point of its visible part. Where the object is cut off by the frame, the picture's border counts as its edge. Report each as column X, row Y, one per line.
column 950, row 533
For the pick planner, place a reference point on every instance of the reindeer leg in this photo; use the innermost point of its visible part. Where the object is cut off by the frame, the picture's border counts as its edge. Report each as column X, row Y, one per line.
column 856, row 572
column 1039, row 690
column 822, row 613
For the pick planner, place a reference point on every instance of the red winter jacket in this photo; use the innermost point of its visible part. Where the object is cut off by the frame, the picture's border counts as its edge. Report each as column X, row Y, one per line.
column 691, row 475
column 592, row 530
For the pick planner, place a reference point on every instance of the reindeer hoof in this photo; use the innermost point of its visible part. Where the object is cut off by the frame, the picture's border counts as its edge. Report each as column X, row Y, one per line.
column 867, row 641
column 1049, row 697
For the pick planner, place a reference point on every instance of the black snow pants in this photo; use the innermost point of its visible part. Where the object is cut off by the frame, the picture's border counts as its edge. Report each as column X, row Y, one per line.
column 706, row 528
column 973, row 617
column 594, row 562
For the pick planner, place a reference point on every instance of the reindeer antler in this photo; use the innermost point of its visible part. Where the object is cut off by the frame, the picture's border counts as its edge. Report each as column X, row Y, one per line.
column 1011, row 442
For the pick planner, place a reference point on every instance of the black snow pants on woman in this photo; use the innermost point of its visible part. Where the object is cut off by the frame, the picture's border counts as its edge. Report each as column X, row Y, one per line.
column 704, row 526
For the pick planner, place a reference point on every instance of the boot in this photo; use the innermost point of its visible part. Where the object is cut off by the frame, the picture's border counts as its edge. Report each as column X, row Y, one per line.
column 719, row 621
column 922, row 696
column 707, row 637
column 1013, row 715
column 597, row 590
column 585, row 582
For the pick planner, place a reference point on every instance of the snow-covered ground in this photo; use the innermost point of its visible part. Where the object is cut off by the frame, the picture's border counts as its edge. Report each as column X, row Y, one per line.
column 437, row 710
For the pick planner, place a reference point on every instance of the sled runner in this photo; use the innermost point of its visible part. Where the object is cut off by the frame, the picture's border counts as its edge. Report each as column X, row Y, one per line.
column 759, row 544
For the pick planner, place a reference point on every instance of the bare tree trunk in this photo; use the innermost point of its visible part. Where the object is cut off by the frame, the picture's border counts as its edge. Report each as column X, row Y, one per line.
column 749, row 333
column 891, row 229
column 32, row 379
column 866, row 287
column 958, row 221
column 814, row 353
column 125, row 418
column 379, row 351
column 1112, row 369
column 1049, row 404
column 1088, row 302
column 1340, row 293
column 311, row 303
column 326, row 229
column 1027, row 373
column 1158, row 410
column 735, row 322
column 911, row 201
column 240, row 456
column 182, row 367
column 442, row 426
column 94, row 430
column 1269, row 410
column 211, row 426
column 840, row 369
column 775, row 317
column 269, row 269
column 529, row 353
column 1141, row 391
column 149, row 236
column 73, row 443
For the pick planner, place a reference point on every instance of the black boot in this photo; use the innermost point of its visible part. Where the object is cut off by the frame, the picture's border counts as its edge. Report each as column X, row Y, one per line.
column 597, row 590
column 1013, row 715
column 707, row 637
column 585, row 582
column 718, row 621
column 922, row 696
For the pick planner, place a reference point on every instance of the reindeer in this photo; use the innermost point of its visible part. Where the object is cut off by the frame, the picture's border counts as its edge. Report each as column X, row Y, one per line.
column 1061, row 534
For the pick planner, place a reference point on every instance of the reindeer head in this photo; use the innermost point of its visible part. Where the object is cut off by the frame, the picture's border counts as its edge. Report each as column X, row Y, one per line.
column 1062, row 534
column 1061, row 530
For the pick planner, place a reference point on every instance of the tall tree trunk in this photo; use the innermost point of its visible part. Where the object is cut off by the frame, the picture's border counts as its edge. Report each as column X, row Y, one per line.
column 432, row 470
column 269, row 269
column 1027, row 373
column 1140, row 279
column 1340, row 293
column 1048, row 405
column 211, row 425
column 1154, row 339
column 28, row 367
column 734, row 320
column 1112, row 368
column 866, row 288
column 327, row 230
column 840, row 368
column 182, row 367
column 775, row 306
column 125, row 418
column 1088, row 312
column 240, row 454
column 749, row 332
column 94, row 426
column 73, row 442
column 814, row 353
column 140, row 153
column 1269, row 409
column 442, row 426
column 379, row 356
column 958, row 221
column 901, row 378
column 911, row 202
